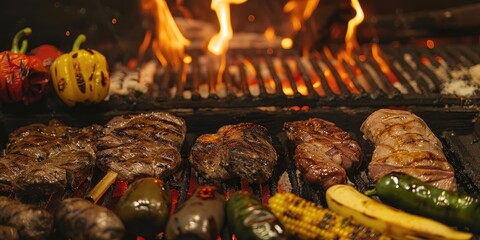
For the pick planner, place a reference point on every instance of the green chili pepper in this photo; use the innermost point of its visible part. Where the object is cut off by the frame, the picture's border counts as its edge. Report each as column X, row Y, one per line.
column 249, row 219
column 412, row 195
column 145, row 207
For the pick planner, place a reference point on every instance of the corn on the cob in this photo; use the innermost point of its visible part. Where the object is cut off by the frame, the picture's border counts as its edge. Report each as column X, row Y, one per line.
column 308, row 220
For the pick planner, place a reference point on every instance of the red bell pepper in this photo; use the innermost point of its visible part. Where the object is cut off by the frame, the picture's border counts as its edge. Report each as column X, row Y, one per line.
column 22, row 77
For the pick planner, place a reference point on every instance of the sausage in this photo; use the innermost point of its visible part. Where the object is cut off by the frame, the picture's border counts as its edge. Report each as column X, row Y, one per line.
column 79, row 219
column 31, row 222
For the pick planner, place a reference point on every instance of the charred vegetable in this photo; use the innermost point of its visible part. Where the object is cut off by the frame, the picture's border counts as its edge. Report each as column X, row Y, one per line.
column 31, row 222
column 199, row 217
column 308, row 220
column 248, row 219
column 347, row 201
column 80, row 76
column 145, row 207
column 79, row 219
column 412, row 195
column 22, row 77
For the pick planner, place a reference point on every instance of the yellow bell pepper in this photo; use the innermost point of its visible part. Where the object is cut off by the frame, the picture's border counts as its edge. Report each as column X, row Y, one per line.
column 80, row 76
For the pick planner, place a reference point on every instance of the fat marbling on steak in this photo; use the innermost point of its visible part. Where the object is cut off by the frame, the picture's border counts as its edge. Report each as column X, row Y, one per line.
column 324, row 153
column 404, row 143
column 243, row 150
column 44, row 159
column 142, row 145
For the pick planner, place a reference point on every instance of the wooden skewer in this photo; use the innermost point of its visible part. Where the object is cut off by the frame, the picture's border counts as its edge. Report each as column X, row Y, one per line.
column 97, row 192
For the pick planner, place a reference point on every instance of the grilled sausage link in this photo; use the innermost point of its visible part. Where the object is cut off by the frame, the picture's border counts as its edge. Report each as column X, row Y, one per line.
column 78, row 219
column 31, row 222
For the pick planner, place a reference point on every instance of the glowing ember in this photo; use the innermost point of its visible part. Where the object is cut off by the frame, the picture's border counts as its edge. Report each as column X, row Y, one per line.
column 218, row 45
column 270, row 34
column 168, row 42
column 287, row 43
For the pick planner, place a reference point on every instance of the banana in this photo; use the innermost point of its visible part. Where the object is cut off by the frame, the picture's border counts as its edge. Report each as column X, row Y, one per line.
column 347, row 201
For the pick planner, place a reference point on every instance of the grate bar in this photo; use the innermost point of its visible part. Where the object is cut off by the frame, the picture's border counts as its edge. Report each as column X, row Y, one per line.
column 323, row 79
column 290, row 77
column 259, row 77
column 377, row 90
column 273, row 73
column 341, row 85
column 306, row 78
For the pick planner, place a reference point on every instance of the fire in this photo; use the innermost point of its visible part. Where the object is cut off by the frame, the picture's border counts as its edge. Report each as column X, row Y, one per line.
column 383, row 64
column 300, row 10
column 168, row 43
column 218, row 44
column 350, row 37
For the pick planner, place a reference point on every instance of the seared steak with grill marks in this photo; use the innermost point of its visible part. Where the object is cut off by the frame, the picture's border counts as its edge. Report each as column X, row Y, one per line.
column 31, row 222
column 48, row 158
column 324, row 153
column 79, row 219
column 142, row 145
column 244, row 150
column 404, row 143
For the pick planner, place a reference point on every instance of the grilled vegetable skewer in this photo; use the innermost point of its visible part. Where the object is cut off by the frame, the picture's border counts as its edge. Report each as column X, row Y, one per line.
column 200, row 217
column 145, row 207
column 412, row 195
column 347, row 201
column 308, row 220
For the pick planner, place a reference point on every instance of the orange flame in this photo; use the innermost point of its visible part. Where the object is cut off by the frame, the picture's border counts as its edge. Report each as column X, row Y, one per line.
column 218, row 44
column 383, row 64
column 300, row 10
column 350, row 37
column 168, row 42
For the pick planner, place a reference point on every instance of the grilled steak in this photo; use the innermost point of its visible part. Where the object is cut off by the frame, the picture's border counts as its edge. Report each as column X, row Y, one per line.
column 79, row 219
column 48, row 158
column 324, row 153
column 244, row 150
column 31, row 222
column 404, row 143
column 143, row 145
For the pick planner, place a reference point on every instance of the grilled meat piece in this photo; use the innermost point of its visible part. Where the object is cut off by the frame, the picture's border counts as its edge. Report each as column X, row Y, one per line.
column 244, row 150
column 44, row 159
column 404, row 143
column 79, row 219
column 208, row 156
column 8, row 233
column 324, row 153
column 143, row 145
column 31, row 222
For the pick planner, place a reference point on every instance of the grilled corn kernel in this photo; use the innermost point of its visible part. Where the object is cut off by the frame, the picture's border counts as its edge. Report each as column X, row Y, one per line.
column 308, row 220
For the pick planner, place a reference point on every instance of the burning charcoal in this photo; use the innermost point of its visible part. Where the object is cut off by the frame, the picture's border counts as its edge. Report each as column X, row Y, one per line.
column 31, row 222
column 244, row 150
column 201, row 216
column 324, row 152
column 78, row 219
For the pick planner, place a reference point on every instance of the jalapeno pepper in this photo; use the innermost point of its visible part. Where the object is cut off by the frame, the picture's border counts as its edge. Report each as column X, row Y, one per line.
column 412, row 195
column 200, row 217
column 145, row 207
column 249, row 219
column 22, row 77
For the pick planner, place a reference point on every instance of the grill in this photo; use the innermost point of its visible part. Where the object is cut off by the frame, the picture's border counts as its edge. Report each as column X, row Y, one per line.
column 270, row 86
